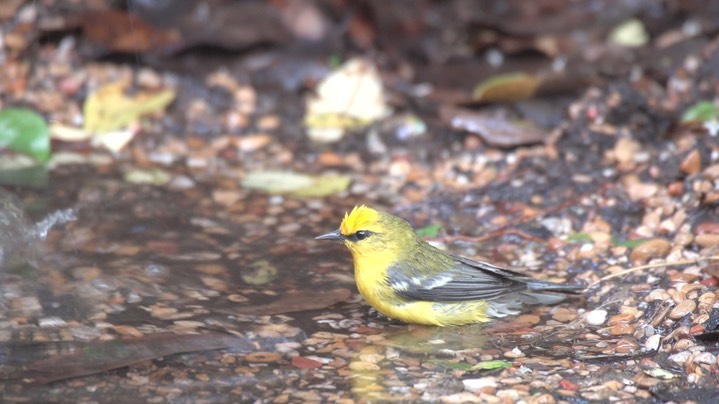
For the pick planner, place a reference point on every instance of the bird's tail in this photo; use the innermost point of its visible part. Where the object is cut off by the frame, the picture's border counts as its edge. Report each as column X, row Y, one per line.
column 540, row 286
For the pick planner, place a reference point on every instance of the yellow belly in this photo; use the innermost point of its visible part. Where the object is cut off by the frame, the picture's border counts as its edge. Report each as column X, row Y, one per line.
column 433, row 313
column 421, row 312
column 372, row 286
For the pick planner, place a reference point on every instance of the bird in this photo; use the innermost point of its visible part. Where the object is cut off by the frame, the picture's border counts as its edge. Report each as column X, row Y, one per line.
column 405, row 278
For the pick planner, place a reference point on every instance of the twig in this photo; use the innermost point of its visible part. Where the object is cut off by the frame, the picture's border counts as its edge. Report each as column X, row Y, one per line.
column 656, row 265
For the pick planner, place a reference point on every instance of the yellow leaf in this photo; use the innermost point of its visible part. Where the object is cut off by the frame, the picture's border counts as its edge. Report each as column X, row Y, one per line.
column 110, row 108
column 507, row 87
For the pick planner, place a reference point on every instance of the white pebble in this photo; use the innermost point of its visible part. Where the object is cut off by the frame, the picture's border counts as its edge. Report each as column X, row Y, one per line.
column 652, row 343
column 680, row 357
column 596, row 317
column 706, row 357
column 477, row 384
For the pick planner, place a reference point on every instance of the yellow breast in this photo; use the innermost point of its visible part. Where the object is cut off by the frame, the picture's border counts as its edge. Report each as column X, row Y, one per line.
column 370, row 278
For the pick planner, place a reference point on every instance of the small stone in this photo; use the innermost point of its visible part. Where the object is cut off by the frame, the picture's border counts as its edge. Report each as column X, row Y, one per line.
column 528, row 319
column 479, row 384
column 226, row 197
column 545, row 398
column 707, row 240
column 706, row 357
column 682, row 309
column 563, row 314
column 463, row 397
column 162, row 311
column 622, row 329
column 712, row 171
column 680, row 357
column 626, row 345
column 305, row 363
column 263, row 357
column 654, row 248
column 692, row 163
column 625, row 149
column 514, row 353
column 128, row 331
column 683, row 344
column 596, row 317
column 652, row 343
column 249, row 144
column 48, row 322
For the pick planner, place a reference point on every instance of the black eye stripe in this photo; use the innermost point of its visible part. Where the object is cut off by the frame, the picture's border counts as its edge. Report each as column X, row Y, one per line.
column 359, row 235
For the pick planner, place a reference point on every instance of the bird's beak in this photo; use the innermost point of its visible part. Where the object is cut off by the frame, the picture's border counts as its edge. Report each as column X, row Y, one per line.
column 333, row 236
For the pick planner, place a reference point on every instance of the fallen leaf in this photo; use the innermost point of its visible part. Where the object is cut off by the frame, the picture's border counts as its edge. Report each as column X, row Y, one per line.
column 109, row 108
column 507, row 87
column 659, row 373
column 350, row 97
column 497, row 131
column 429, row 231
column 301, row 185
column 702, row 111
column 120, row 31
column 151, row 176
column 630, row 33
column 259, row 273
column 25, row 131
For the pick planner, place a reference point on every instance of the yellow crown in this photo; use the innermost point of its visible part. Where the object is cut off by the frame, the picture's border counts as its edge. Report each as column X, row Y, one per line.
column 361, row 218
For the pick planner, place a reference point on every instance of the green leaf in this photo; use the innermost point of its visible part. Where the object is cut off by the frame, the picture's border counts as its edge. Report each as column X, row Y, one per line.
column 429, row 231
column 628, row 243
column 25, row 131
column 701, row 112
column 452, row 365
column 259, row 273
column 491, row 365
column 488, row 365
column 580, row 238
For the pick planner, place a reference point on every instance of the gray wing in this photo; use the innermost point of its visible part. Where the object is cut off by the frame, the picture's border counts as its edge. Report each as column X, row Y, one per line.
column 466, row 280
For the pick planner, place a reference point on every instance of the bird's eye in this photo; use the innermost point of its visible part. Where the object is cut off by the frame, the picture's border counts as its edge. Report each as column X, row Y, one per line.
column 362, row 234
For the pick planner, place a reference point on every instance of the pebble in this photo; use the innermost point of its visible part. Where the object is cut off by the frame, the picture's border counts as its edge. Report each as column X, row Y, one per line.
column 514, row 353
column 478, row 384
column 692, row 163
column 463, row 397
column 625, row 345
column 622, row 329
column 596, row 317
column 682, row 309
column 683, row 344
column 652, row 343
column 253, row 143
column 680, row 357
column 263, row 357
column 362, row 366
column 654, row 248
column 707, row 240
column 706, row 357
column 563, row 314
column 51, row 322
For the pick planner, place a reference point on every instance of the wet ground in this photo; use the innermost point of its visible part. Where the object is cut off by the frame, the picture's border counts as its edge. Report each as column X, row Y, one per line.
column 183, row 267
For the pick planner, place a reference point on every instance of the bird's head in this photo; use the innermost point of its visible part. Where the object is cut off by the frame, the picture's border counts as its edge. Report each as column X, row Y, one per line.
column 368, row 231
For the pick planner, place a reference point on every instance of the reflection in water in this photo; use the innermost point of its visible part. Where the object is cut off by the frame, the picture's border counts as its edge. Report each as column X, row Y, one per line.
column 411, row 350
